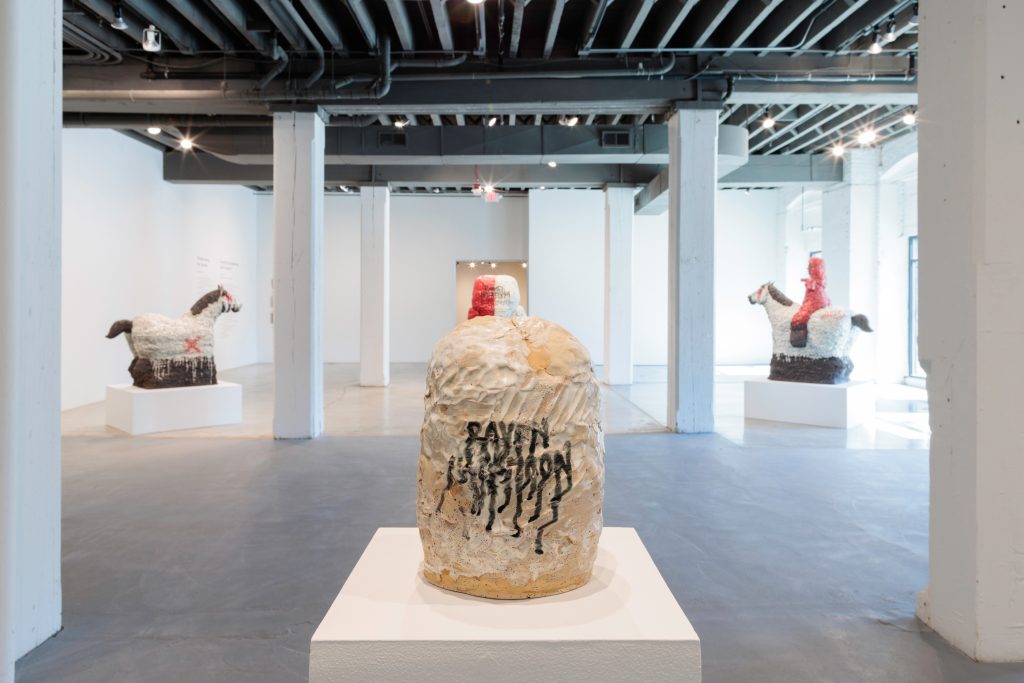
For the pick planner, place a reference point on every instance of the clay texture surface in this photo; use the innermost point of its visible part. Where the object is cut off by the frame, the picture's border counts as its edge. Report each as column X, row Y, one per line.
column 511, row 469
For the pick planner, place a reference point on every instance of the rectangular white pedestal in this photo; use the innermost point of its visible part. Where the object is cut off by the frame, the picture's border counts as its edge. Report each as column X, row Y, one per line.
column 389, row 624
column 823, row 405
column 144, row 411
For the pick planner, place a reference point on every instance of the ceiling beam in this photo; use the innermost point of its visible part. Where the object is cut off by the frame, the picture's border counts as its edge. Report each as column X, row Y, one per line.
column 205, row 22
column 676, row 11
column 105, row 10
column 827, row 22
column 812, row 127
column 835, row 132
column 443, row 25
column 749, row 25
column 518, row 10
column 400, row 19
column 235, row 15
column 481, row 30
column 714, row 22
column 169, row 24
column 283, row 23
column 775, row 135
column 595, row 15
column 365, row 21
column 636, row 15
column 876, row 14
column 325, row 23
column 783, row 22
column 554, row 21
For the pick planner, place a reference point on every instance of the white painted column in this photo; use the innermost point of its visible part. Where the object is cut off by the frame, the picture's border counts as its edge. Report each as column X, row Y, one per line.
column 618, row 285
column 971, row 321
column 693, row 173
column 298, row 274
column 375, row 290
column 849, row 245
column 30, row 190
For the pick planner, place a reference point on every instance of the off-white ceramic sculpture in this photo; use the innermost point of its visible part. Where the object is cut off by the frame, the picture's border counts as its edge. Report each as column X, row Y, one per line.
column 511, row 471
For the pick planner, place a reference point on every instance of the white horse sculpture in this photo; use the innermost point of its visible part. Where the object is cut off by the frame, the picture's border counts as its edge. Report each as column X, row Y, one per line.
column 830, row 333
column 175, row 352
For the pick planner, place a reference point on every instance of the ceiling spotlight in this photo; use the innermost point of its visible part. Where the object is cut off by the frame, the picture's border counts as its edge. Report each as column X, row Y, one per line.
column 910, row 118
column 488, row 188
column 837, row 151
column 437, row 190
column 876, row 44
column 768, row 122
column 154, row 130
column 493, row 264
column 866, row 137
column 151, row 39
column 890, row 31
column 493, row 121
column 552, row 164
column 523, row 264
column 568, row 120
column 119, row 23
column 343, row 188
column 541, row 188
column 401, row 123
column 185, row 144
column 915, row 19
column 472, row 264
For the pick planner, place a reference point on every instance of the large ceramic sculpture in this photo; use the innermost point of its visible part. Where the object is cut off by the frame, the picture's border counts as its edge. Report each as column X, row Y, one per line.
column 511, row 471
column 175, row 352
column 496, row 295
column 810, row 342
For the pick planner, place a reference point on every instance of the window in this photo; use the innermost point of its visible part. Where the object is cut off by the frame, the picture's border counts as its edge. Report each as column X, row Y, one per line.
column 914, row 368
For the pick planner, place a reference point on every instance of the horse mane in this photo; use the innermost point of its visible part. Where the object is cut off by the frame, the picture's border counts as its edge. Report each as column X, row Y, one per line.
column 205, row 300
column 778, row 295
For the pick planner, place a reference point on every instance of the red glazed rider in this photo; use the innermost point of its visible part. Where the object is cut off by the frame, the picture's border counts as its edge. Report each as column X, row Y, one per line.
column 815, row 299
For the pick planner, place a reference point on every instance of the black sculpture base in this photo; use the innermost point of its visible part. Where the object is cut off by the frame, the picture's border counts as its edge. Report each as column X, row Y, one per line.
column 810, row 370
column 168, row 374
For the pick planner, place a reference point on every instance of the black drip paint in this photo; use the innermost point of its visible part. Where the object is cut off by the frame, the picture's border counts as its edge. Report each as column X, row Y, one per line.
column 497, row 471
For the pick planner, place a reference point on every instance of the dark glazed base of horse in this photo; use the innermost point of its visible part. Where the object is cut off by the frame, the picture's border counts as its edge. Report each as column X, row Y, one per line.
column 810, row 370
column 189, row 373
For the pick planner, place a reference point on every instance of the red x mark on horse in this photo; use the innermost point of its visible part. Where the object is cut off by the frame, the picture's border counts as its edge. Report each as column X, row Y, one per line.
column 192, row 345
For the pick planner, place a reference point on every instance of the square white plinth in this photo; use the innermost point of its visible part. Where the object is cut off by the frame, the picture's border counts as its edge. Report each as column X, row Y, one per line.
column 389, row 624
column 144, row 411
column 823, row 405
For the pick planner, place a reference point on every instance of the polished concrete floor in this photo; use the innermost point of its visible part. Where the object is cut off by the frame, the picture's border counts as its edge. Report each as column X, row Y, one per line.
column 795, row 554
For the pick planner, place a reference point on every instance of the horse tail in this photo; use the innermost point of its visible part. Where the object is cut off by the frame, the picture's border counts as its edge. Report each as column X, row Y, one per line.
column 860, row 320
column 119, row 327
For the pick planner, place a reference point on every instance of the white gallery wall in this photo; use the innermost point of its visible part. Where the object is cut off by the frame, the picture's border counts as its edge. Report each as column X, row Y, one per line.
column 134, row 244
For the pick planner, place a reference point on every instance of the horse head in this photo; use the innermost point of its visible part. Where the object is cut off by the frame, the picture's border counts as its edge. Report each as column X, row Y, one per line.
column 760, row 296
column 216, row 302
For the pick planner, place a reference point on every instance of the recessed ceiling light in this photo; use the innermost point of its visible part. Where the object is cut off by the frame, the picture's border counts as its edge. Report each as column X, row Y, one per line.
column 493, row 264
column 768, row 122
column 154, row 130
column 185, row 144
column 524, row 264
column 838, row 151
column 552, row 164
column 910, row 118
column 472, row 264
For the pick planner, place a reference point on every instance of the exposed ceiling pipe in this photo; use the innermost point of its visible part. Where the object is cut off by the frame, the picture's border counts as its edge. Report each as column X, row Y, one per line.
column 306, row 31
column 171, row 25
column 96, row 51
column 201, row 18
column 365, row 21
column 595, row 16
column 282, row 62
column 143, row 121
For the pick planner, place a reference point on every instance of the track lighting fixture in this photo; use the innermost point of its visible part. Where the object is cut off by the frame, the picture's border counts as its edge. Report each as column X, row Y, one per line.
column 151, row 39
column 914, row 17
column 185, row 144
column 568, row 120
column 119, row 23
column 876, row 44
column 493, row 121
column 488, row 188
column 768, row 122
column 401, row 123
column 910, row 118
column 837, row 151
column 472, row 264
column 154, row 130
column 890, row 31
column 552, row 164
column 523, row 264
column 493, row 264
column 866, row 137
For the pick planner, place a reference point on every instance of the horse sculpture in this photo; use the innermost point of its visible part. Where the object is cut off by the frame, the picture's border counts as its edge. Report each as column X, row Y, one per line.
column 175, row 352
column 830, row 332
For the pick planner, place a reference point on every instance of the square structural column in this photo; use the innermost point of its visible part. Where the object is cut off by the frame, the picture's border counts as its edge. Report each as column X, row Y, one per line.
column 849, row 245
column 374, row 287
column 971, row 137
column 618, row 285
column 30, row 313
column 298, row 274
column 693, row 178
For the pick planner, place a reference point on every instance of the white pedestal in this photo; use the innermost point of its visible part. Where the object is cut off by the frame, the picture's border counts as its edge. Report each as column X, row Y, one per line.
column 144, row 411
column 823, row 405
column 389, row 624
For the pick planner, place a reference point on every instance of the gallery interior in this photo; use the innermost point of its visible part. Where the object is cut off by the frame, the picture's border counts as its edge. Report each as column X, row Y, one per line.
column 626, row 339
